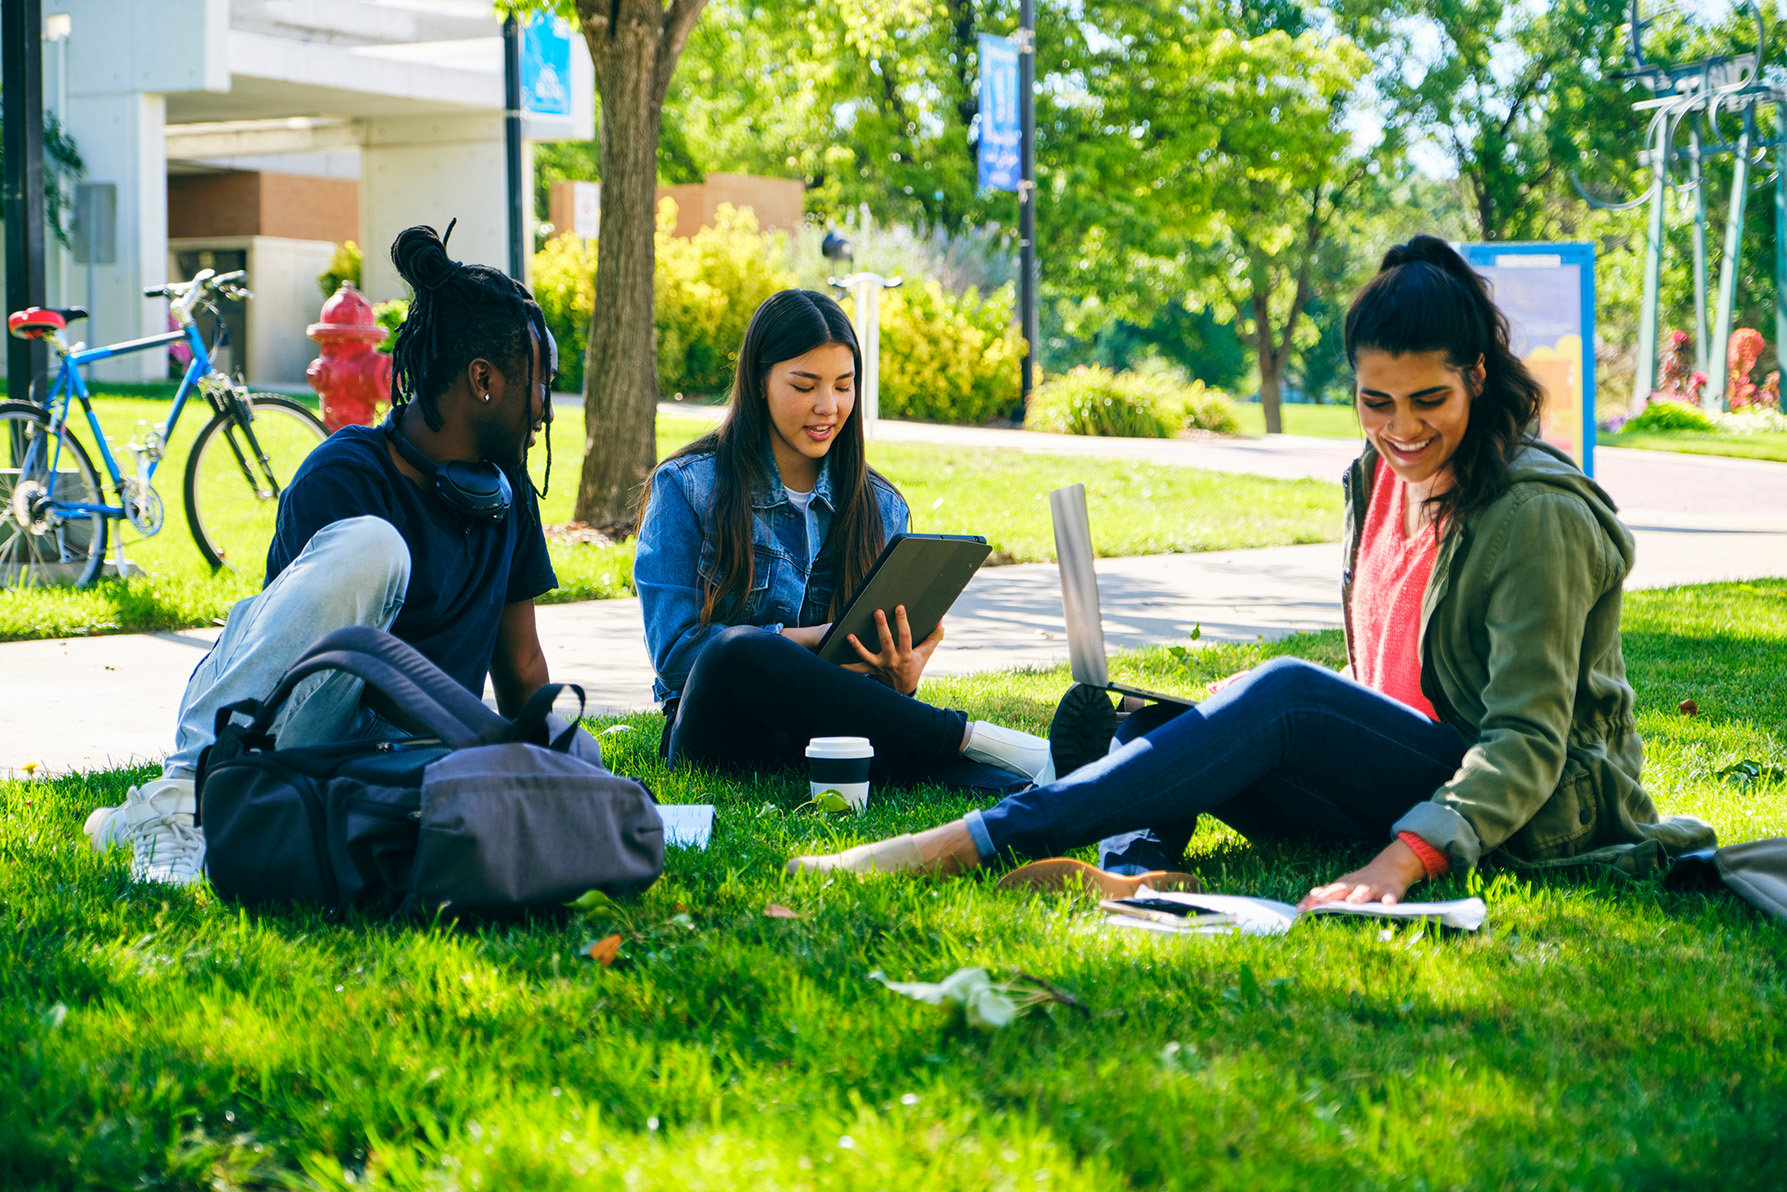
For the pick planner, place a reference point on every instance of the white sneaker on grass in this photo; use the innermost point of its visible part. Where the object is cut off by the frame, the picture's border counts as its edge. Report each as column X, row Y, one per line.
column 155, row 823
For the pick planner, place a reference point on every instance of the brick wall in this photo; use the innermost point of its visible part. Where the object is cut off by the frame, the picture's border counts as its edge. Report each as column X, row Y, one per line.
column 244, row 203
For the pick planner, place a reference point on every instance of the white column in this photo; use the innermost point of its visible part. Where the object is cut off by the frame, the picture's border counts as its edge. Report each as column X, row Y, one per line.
column 430, row 170
column 122, row 136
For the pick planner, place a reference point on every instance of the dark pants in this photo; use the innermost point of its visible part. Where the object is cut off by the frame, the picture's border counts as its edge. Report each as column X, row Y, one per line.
column 1292, row 750
column 754, row 699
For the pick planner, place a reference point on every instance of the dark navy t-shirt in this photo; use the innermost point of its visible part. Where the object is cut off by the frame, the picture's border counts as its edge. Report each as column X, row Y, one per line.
column 462, row 570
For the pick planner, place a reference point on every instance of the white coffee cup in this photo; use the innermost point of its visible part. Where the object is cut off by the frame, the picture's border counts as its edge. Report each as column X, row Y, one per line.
column 841, row 764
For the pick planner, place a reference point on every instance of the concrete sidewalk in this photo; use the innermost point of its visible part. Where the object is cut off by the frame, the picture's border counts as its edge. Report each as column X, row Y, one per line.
column 1656, row 489
column 92, row 703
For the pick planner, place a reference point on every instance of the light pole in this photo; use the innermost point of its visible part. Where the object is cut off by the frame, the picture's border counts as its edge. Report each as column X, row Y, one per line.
column 1026, row 42
column 865, row 289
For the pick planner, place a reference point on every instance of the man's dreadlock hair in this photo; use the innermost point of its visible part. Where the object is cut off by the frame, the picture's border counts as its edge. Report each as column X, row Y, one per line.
column 460, row 313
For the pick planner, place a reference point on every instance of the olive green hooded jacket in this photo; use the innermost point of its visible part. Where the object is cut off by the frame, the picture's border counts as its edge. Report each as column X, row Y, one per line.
column 1520, row 653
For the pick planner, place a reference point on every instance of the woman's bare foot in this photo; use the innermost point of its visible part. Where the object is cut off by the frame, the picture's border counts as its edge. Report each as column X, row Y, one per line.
column 945, row 850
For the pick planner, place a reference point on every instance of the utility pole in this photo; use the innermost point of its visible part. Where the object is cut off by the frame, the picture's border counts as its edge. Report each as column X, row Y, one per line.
column 21, row 76
column 518, row 222
column 1026, row 42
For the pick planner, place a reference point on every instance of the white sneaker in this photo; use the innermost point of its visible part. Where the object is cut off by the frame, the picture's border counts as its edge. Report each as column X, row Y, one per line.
column 1010, row 749
column 155, row 822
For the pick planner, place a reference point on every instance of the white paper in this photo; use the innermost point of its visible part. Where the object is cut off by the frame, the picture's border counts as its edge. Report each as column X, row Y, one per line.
column 1263, row 916
column 687, row 825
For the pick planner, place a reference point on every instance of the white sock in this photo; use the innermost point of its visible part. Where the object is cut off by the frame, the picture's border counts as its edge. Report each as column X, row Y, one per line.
column 1010, row 749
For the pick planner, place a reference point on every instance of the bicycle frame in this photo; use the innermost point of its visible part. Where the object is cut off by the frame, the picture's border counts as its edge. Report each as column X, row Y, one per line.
column 70, row 385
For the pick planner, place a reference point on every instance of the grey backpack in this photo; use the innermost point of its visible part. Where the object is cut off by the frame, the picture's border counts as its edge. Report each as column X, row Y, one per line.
column 476, row 815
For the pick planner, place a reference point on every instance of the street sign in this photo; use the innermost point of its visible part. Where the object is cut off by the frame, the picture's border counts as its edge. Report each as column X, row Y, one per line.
column 1000, row 132
column 546, row 67
column 1548, row 293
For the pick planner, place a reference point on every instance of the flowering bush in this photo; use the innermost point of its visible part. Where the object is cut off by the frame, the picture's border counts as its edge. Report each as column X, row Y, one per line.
column 1676, row 363
column 949, row 357
column 1742, row 352
column 1096, row 401
column 1752, row 420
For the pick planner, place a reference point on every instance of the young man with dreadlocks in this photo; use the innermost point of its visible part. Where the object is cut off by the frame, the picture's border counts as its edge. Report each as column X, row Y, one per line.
column 426, row 525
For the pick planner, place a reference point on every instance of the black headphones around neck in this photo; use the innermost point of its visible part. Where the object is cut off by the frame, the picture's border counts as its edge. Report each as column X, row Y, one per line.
column 478, row 489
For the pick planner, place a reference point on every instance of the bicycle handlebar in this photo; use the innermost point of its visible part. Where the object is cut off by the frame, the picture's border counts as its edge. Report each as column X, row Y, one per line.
column 182, row 296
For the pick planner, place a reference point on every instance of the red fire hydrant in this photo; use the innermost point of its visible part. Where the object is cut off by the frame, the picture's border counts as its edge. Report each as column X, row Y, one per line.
column 350, row 376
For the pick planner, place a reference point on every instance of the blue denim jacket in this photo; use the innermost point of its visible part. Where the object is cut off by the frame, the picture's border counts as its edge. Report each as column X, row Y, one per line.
column 791, row 582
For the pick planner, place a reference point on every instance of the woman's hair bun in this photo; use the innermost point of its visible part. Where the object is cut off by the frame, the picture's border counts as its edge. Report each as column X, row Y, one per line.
column 1429, row 250
column 420, row 255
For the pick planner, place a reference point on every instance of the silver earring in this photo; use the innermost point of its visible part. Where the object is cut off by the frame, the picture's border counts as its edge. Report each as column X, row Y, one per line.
column 486, row 398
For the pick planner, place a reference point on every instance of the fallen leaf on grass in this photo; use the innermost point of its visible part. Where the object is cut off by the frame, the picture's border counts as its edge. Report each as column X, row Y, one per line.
column 776, row 910
column 591, row 900
column 969, row 992
column 1747, row 773
column 829, row 802
column 1688, row 708
column 603, row 951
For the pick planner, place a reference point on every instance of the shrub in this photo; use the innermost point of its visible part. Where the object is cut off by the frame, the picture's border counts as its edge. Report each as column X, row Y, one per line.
column 565, row 288
column 949, row 357
column 345, row 265
column 1211, row 410
column 1668, row 415
column 1096, row 401
column 390, row 315
column 708, row 287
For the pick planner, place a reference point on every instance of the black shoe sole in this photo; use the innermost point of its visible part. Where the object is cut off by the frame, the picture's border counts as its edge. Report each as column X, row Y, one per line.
column 1082, row 728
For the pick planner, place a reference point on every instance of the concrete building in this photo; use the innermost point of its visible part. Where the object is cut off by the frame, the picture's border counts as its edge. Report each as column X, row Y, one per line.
column 260, row 133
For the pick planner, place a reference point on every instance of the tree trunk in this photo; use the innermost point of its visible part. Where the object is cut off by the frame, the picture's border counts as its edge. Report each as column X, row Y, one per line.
column 635, row 45
column 620, row 375
column 1271, row 386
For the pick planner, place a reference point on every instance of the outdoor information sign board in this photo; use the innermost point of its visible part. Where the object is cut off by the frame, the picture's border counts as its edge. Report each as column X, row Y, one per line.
column 1000, row 136
column 546, row 67
column 1548, row 293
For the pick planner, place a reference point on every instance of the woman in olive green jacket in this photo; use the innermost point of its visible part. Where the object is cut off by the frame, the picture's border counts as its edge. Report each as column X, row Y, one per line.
column 1488, row 710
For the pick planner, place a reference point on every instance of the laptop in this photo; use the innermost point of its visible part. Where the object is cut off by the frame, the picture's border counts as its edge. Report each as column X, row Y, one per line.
column 1079, row 598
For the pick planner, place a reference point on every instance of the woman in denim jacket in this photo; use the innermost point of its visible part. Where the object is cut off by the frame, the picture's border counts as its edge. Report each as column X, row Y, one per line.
column 753, row 538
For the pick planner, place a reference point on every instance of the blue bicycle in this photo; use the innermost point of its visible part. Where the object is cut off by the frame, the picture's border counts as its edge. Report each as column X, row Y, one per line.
column 54, row 515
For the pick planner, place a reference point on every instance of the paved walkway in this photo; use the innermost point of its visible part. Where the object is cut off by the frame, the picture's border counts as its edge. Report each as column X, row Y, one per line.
column 99, row 702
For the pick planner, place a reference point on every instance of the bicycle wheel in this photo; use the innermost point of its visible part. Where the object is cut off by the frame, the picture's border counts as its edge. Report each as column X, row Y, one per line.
column 236, row 472
column 40, row 543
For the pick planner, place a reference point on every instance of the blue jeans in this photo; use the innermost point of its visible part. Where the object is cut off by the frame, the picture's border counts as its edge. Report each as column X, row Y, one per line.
column 1292, row 750
column 352, row 572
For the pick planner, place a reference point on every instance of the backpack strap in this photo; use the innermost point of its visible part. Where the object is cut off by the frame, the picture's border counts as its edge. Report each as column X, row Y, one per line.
column 529, row 725
column 397, row 670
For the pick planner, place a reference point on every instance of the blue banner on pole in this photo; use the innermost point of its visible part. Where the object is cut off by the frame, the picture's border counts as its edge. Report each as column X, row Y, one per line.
column 546, row 67
column 1000, row 134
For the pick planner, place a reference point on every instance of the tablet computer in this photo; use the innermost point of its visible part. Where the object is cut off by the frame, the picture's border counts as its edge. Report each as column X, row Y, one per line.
column 924, row 572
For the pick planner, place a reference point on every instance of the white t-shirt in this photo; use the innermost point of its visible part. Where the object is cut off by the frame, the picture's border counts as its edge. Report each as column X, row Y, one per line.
column 800, row 500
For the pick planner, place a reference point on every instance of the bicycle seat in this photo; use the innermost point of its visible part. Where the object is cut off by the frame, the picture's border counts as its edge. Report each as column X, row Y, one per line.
column 35, row 322
column 72, row 314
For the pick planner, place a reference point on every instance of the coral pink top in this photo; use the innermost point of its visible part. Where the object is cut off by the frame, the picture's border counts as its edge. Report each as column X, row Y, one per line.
column 1389, row 581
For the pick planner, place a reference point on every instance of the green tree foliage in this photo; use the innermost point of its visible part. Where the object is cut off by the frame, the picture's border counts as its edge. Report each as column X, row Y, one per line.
column 1519, row 96
column 62, row 166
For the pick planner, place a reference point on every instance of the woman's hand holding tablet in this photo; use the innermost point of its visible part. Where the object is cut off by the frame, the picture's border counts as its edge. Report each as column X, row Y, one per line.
column 899, row 663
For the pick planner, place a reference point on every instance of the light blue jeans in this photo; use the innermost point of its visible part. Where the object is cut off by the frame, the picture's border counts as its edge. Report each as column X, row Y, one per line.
column 352, row 572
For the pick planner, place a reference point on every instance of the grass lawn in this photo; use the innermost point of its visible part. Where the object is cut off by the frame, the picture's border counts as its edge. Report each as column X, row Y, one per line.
column 1597, row 1033
column 1764, row 446
column 1327, row 422
column 1136, row 509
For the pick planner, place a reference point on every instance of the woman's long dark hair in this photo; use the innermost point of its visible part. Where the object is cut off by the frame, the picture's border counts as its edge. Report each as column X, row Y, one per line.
column 1427, row 298
column 787, row 326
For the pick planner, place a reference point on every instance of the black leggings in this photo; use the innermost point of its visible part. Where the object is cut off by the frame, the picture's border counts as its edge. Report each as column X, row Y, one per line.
column 753, row 699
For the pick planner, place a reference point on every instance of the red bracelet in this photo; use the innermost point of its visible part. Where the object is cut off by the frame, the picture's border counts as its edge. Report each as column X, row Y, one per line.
column 1433, row 861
